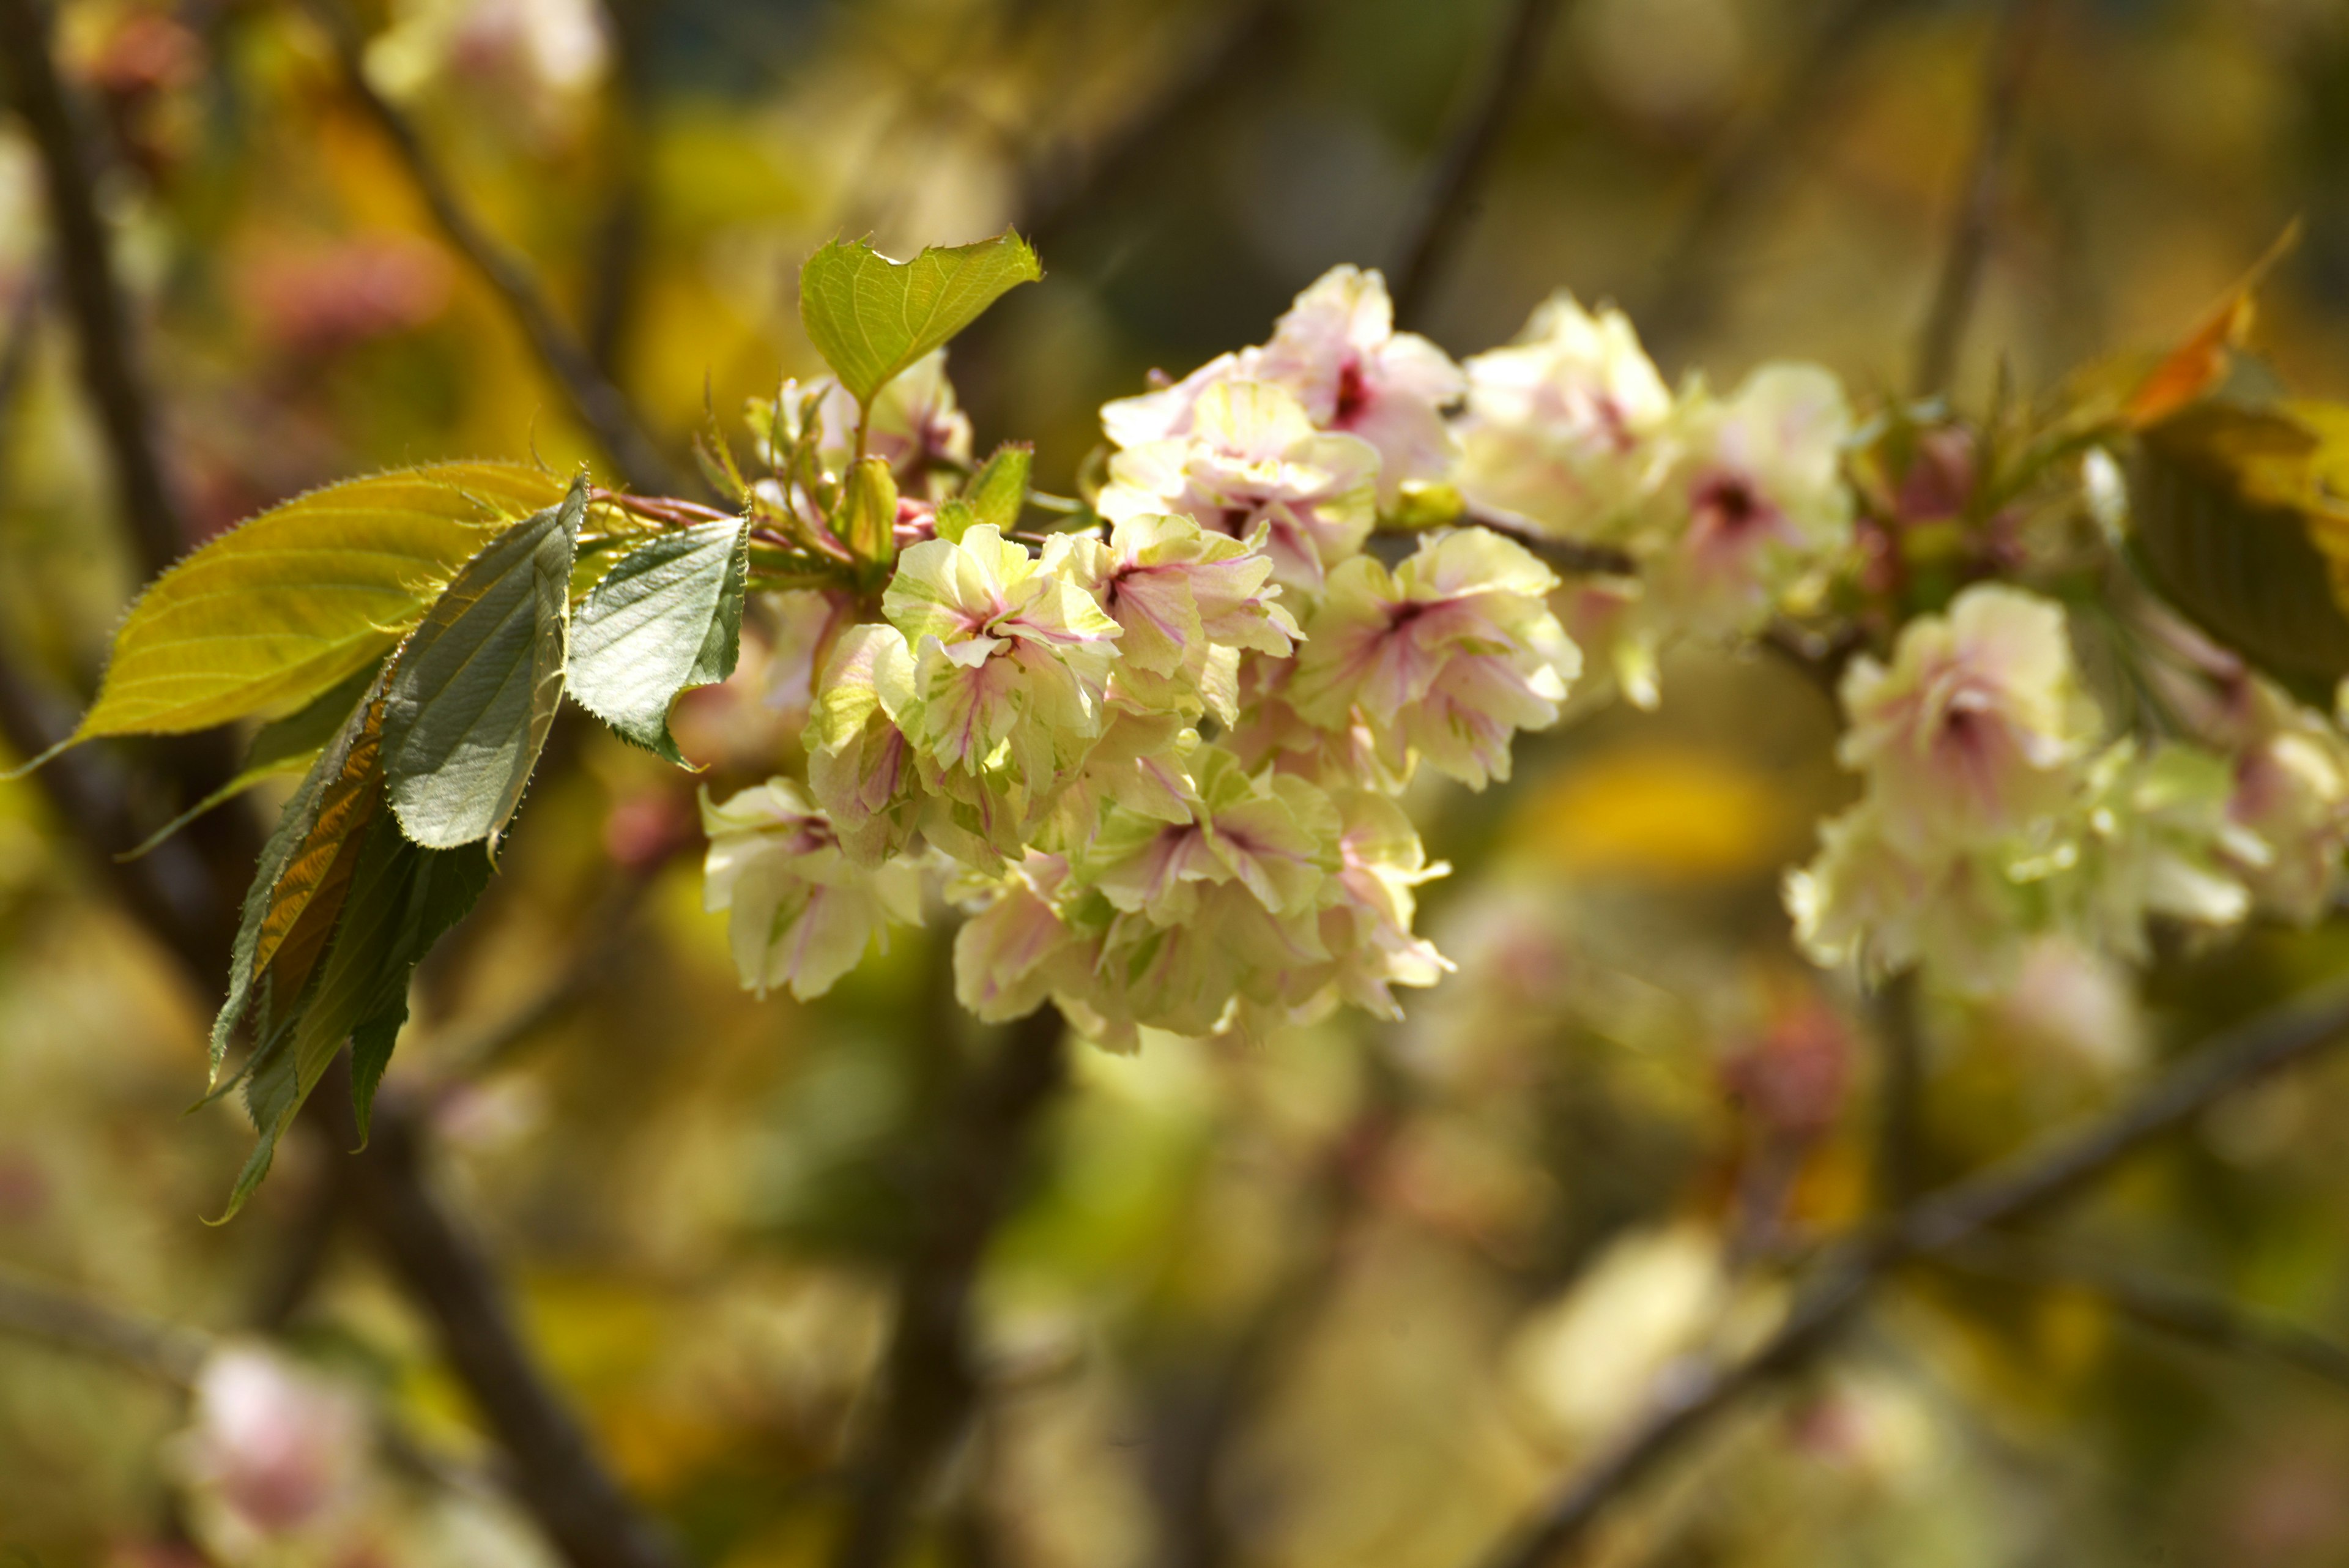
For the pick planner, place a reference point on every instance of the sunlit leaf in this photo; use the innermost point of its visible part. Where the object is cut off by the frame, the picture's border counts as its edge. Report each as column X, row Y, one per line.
column 998, row 493
column 2231, row 529
column 476, row 688
column 667, row 616
column 868, row 516
column 871, row 318
column 274, row 613
column 2198, row 365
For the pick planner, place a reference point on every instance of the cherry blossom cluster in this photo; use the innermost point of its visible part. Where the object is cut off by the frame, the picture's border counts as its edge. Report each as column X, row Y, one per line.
column 1999, row 807
column 1156, row 759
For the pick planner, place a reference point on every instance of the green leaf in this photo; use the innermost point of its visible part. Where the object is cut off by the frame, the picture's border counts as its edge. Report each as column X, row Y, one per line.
column 870, row 318
column 475, row 691
column 402, row 900
column 954, row 518
column 998, row 493
column 277, row 611
column 287, row 745
column 667, row 616
column 867, row 523
column 303, row 875
column 2231, row 527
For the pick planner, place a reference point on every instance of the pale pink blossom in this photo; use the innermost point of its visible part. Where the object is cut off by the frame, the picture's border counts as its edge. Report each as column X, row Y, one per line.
column 1565, row 426
column 1447, row 657
column 1977, row 726
column 1253, row 460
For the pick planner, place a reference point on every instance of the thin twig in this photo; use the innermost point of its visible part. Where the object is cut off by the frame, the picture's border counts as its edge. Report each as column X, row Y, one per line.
column 556, row 1472
column 605, row 934
column 2009, row 1191
column 2201, row 1316
column 2007, row 71
column 1448, row 200
column 929, row 1379
column 1061, row 187
column 600, row 405
column 165, row 1352
column 1688, row 273
column 86, row 278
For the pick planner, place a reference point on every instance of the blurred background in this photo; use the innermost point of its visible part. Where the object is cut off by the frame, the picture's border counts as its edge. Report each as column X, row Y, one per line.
column 1351, row 1298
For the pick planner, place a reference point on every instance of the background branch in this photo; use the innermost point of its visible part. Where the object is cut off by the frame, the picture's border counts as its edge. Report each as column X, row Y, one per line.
column 929, row 1378
column 1448, row 202
column 1687, row 276
column 2007, row 71
column 36, row 1310
column 86, row 281
column 187, row 902
column 600, row 405
column 2006, row 1192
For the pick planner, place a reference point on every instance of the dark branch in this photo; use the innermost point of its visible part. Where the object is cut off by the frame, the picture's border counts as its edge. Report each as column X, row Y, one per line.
column 1060, row 188
column 163, row 1351
column 184, row 901
column 929, row 1378
column 1689, row 272
column 1448, row 200
column 601, row 406
column 2007, row 71
column 555, row 1470
column 2006, row 1192
column 2202, row 1318
column 87, row 282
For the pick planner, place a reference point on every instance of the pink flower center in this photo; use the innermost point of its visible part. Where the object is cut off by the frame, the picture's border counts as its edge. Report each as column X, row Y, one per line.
column 1353, row 396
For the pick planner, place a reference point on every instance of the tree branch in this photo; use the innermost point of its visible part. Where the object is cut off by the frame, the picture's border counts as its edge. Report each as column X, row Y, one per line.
column 555, row 1470
column 1687, row 273
column 2009, row 1191
column 600, row 405
column 1058, row 189
column 185, row 901
column 2007, row 71
column 929, row 1379
column 1454, row 184
column 2203, row 1317
column 165, row 1352
column 86, row 278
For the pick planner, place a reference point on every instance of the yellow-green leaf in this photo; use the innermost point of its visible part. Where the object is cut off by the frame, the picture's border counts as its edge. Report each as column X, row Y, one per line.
column 2234, row 526
column 868, row 516
column 276, row 611
column 871, row 318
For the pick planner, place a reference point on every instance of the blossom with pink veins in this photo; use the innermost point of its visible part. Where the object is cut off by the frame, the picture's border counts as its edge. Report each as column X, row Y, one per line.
column 1446, row 657
column 801, row 912
column 1759, row 498
column 1978, row 726
column 1011, row 660
column 1272, row 834
column 1566, row 427
column 1367, row 928
column 1009, row 955
column 1253, row 460
column 1338, row 350
column 1189, row 601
